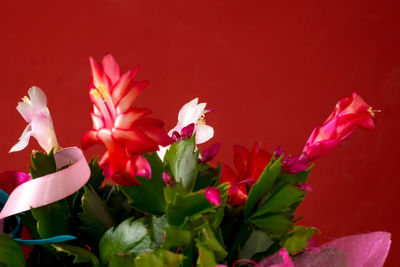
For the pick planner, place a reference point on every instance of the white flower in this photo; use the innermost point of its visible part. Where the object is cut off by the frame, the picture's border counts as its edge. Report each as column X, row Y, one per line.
column 191, row 112
column 40, row 125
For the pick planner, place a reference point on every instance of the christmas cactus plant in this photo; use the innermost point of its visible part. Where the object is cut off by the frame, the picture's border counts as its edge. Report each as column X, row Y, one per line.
column 153, row 198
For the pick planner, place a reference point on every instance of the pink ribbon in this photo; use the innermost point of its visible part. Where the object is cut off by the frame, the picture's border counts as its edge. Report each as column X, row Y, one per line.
column 50, row 188
column 363, row 250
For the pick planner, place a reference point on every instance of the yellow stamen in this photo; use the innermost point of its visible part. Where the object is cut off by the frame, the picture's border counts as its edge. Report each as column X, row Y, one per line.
column 26, row 99
column 201, row 120
column 100, row 92
column 373, row 111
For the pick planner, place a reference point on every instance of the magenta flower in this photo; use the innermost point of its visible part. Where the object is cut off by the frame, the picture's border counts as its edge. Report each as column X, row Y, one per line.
column 209, row 153
column 9, row 180
column 213, row 195
column 349, row 114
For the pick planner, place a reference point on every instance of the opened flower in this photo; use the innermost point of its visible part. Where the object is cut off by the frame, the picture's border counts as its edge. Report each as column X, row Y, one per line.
column 349, row 114
column 40, row 125
column 249, row 166
column 125, row 130
column 191, row 119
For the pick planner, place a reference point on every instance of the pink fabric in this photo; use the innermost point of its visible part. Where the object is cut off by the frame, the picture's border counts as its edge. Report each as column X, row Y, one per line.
column 364, row 250
column 50, row 188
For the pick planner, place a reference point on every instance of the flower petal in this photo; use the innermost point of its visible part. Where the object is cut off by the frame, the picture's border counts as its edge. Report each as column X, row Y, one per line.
column 11, row 179
column 142, row 167
column 185, row 113
column 120, row 88
column 126, row 120
column 23, row 140
column 209, row 153
column 126, row 102
column 26, row 110
column 37, row 97
column 213, row 195
column 135, row 140
column 153, row 128
column 240, row 158
column 203, row 133
column 89, row 139
column 111, row 68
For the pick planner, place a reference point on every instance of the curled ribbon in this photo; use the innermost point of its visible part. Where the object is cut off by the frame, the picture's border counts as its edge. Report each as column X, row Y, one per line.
column 52, row 187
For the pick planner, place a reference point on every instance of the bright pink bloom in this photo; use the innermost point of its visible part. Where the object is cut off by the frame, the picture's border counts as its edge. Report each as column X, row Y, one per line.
column 9, row 180
column 123, row 129
column 213, row 195
column 209, row 153
column 304, row 187
column 349, row 114
column 249, row 166
column 168, row 179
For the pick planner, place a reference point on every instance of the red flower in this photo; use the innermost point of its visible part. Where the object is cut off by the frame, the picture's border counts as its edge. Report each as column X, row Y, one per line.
column 249, row 166
column 349, row 114
column 125, row 130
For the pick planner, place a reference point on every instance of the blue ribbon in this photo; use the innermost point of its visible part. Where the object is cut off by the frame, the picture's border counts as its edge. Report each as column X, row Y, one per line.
column 52, row 240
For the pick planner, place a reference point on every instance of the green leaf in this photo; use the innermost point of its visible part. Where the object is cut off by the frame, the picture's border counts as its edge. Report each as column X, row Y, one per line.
column 80, row 254
column 176, row 237
column 118, row 204
column 263, row 184
column 297, row 238
column 43, row 164
column 206, row 256
column 207, row 238
column 149, row 196
column 96, row 174
column 182, row 160
column 52, row 219
column 122, row 260
column 300, row 177
column 272, row 223
column 131, row 236
column 157, row 227
column 10, row 252
column 159, row 258
column 281, row 200
column 208, row 176
column 95, row 216
column 183, row 207
column 258, row 241
column 240, row 237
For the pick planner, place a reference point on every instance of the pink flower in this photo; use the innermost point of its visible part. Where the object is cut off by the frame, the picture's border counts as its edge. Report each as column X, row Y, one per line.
column 209, row 153
column 125, row 130
column 9, row 180
column 213, row 195
column 40, row 125
column 349, row 114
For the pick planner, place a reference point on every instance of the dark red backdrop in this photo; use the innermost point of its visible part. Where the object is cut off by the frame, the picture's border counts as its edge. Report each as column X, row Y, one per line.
column 271, row 70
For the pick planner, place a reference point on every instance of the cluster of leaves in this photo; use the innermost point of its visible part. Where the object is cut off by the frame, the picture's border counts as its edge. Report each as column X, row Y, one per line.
column 156, row 224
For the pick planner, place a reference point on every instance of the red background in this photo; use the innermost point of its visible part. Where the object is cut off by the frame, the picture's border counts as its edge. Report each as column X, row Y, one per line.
column 272, row 71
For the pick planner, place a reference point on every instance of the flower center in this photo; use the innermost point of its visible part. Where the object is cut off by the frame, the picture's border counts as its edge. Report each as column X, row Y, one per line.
column 26, row 99
column 100, row 91
column 373, row 111
column 201, row 120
